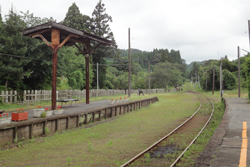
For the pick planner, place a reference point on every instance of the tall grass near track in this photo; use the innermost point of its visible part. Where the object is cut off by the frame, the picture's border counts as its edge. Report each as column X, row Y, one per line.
column 109, row 144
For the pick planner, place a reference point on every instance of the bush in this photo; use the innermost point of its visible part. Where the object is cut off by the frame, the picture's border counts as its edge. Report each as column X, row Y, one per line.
column 43, row 115
column 247, row 72
column 229, row 80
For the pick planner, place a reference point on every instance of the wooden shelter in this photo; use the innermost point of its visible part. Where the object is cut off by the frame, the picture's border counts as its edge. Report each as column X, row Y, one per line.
column 57, row 35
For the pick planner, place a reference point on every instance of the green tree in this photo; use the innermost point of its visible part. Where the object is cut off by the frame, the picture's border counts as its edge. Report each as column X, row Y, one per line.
column 76, row 80
column 210, row 78
column 165, row 74
column 76, row 20
column 13, row 43
column 100, row 27
column 247, row 73
column 229, row 80
column 163, row 56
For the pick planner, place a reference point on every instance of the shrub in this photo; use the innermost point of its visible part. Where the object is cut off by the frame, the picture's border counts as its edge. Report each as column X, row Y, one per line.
column 43, row 115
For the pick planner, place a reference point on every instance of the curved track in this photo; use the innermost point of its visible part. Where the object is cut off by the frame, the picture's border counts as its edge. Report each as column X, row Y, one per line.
column 181, row 126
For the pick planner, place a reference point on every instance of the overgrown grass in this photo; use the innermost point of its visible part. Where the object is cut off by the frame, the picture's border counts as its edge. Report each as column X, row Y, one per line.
column 227, row 93
column 110, row 144
column 194, row 151
column 12, row 107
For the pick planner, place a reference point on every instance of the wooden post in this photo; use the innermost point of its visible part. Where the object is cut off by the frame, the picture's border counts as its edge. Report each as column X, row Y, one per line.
column 44, row 127
column 78, row 120
column 31, row 131
column 68, row 118
column 93, row 116
column 55, row 41
column 100, row 114
column 105, row 113
column 86, row 118
column 238, row 71
column 15, row 135
column 87, row 77
column 57, row 125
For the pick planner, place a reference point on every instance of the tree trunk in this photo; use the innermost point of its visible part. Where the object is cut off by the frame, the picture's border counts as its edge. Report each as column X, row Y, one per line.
column 7, row 80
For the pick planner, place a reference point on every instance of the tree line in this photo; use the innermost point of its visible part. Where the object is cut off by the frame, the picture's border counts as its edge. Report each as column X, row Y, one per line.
column 229, row 73
column 26, row 63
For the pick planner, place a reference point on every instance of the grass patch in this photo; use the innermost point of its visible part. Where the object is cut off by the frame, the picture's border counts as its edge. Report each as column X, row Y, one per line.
column 109, row 144
column 194, row 151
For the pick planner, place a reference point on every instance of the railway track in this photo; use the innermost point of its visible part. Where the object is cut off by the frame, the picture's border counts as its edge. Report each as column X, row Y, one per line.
column 170, row 149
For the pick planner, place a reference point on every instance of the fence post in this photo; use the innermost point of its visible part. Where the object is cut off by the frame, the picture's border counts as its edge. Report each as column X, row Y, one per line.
column 24, row 96
column 15, row 96
column 11, row 96
column 6, row 96
column 35, row 96
column 2, row 93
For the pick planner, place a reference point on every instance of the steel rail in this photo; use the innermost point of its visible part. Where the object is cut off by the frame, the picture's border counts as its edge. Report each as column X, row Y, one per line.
column 153, row 145
column 178, row 158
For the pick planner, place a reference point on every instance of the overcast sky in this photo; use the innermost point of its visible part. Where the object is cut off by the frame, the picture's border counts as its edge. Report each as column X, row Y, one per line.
column 199, row 29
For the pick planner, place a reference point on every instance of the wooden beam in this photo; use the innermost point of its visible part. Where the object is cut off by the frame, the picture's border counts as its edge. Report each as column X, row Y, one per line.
column 66, row 39
column 80, row 49
column 44, row 40
column 94, row 48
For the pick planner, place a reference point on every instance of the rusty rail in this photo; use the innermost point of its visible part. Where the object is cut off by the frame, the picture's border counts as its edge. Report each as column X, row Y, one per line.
column 179, row 157
column 156, row 143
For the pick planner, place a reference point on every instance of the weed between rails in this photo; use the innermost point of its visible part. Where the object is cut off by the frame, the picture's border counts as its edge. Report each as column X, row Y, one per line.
column 167, row 151
column 192, row 154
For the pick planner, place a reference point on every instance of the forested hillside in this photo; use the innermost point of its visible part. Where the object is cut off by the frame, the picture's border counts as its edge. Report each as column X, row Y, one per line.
column 26, row 63
column 199, row 71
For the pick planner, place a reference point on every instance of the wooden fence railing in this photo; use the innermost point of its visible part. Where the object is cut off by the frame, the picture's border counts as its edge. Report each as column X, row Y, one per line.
column 28, row 96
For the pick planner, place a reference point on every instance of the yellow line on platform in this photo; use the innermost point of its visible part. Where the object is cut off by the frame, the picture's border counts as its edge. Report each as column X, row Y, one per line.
column 243, row 153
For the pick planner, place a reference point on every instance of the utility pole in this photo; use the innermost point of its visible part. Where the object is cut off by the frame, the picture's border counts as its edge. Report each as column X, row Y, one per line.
column 129, row 66
column 206, row 81
column 249, row 30
column 238, row 71
column 97, row 78
column 149, row 76
column 213, row 78
column 221, row 78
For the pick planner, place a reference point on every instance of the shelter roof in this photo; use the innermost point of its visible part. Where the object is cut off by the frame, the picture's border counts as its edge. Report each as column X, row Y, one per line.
column 83, row 37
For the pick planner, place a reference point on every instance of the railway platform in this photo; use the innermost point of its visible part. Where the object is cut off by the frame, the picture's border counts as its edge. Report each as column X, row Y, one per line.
column 229, row 145
column 73, row 109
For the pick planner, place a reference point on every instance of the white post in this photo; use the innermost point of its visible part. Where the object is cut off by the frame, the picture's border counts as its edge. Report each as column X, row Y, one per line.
column 6, row 94
column 15, row 94
column 11, row 96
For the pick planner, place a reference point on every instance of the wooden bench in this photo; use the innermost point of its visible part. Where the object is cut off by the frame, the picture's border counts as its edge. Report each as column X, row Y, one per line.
column 68, row 100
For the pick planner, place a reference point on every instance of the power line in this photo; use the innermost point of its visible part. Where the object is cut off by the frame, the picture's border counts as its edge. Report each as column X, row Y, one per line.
column 198, row 42
column 18, row 56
